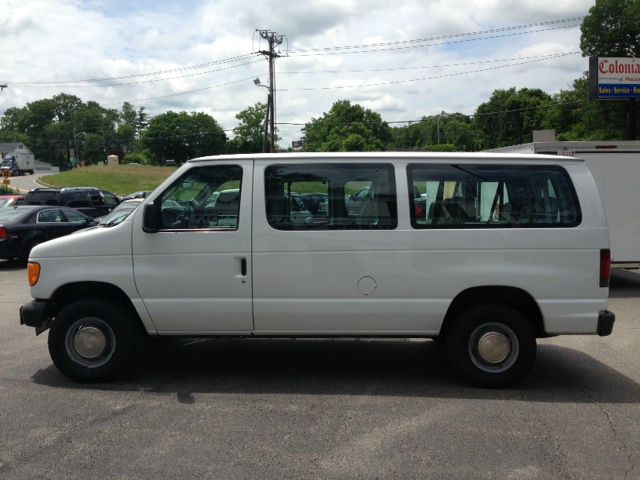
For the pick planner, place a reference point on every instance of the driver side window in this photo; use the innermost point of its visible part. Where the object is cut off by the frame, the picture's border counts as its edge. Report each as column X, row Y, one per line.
column 203, row 198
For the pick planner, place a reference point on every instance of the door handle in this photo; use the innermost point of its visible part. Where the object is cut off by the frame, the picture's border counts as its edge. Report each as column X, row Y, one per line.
column 243, row 266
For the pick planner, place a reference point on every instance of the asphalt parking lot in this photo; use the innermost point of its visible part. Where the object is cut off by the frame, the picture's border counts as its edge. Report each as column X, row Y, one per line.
column 195, row 408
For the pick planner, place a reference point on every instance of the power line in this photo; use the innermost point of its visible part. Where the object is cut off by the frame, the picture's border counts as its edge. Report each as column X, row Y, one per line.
column 133, row 75
column 220, row 85
column 423, row 45
column 497, row 112
column 141, row 82
column 441, row 37
column 422, row 67
column 410, row 80
column 391, row 122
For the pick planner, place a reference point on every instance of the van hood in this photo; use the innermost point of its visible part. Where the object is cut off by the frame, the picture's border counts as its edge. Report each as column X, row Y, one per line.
column 90, row 242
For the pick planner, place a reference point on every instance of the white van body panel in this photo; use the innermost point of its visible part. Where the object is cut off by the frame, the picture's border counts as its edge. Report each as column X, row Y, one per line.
column 306, row 282
column 190, row 280
column 92, row 255
column 336, row 282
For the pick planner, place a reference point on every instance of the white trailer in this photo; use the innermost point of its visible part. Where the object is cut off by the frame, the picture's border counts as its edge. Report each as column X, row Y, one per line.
column 615, row 165
column 17, row 158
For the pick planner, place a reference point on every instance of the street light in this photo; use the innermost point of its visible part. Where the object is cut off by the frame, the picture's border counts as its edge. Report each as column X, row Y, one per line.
column 75, row 144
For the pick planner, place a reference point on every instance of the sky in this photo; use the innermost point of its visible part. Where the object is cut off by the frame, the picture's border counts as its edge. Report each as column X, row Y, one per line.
column 403, row 59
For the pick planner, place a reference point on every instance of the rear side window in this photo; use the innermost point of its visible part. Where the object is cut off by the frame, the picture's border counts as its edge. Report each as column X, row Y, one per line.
column 331, row 196
column 77, row 199
column 485, row 196
column 110, row 199
column 42, row 198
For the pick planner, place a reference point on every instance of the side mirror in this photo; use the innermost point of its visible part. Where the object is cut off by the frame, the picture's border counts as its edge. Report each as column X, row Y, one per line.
column 151, row 218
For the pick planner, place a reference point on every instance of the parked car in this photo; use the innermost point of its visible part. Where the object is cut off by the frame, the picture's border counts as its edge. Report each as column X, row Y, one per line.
column 355, row 202
column 10, row 200
column 120, row 213
column 24, row 227
column 141, row 194
column 316, row 203
column 88, row 200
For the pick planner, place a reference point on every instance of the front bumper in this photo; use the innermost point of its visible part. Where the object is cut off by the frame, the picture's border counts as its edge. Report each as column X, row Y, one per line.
column 605, row 322
column 35, row 314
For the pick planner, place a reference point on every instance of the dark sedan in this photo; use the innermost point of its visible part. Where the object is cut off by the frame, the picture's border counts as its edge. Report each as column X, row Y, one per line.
column 22, row 228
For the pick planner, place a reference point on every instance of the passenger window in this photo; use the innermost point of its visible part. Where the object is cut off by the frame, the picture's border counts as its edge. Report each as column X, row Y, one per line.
column 75, row 217
column 203, row 198
column 331, row 196
column 50, row 216
column 467, row 196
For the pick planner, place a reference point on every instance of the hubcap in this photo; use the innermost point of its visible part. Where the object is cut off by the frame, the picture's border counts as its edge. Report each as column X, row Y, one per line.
column 494, row 347
column 89, row 342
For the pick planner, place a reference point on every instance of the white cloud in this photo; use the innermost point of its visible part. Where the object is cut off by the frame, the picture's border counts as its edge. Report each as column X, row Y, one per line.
column 49, row 41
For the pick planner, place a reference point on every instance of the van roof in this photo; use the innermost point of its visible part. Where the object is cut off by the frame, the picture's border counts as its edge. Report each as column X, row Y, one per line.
column 462, row 156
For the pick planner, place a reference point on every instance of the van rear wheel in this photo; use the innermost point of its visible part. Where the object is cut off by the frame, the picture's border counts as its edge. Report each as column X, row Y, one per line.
column 92, row 340
column 491, row 346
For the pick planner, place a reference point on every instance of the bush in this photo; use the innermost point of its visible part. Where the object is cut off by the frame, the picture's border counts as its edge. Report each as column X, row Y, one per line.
column 137, row 157
column 442, row 147
column 4, row 190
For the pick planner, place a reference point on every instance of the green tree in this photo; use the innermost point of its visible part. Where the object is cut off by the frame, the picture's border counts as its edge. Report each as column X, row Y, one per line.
column 612, row 29
column 181, row 136
column 510, row 116
column 91, row 148
column 142, row 121
column 444, row 129
column 128, row 114
column 346, row 128
column 126, row 136
column 249, row 134
column 575, row 118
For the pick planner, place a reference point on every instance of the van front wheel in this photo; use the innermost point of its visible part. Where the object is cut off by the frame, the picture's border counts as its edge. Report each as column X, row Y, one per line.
column 92, row 340
column 491, row 345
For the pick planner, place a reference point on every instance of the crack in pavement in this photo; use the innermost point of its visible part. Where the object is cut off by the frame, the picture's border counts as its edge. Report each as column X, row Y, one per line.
column 616, row 436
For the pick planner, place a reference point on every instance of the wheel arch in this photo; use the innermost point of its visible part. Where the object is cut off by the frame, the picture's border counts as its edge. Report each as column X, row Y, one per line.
column 71, row 292
column 512, row 297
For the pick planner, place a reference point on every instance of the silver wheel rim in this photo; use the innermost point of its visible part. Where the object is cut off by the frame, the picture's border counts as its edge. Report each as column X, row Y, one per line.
column 493, row 347
column 90, row 342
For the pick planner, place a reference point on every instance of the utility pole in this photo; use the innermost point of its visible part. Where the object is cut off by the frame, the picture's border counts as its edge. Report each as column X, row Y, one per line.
column 274, row 40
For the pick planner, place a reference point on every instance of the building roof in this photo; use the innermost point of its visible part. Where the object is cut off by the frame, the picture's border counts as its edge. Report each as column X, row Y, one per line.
column 11, row 146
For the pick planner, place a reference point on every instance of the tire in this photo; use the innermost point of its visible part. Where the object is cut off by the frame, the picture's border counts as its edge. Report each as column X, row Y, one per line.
column 491, row 346
column 92, row 340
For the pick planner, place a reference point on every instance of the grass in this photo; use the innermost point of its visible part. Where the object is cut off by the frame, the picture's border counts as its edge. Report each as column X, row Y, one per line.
column 121, row 179
column 5, row 190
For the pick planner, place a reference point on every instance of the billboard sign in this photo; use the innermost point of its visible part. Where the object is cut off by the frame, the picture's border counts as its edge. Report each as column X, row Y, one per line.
column 614, row 78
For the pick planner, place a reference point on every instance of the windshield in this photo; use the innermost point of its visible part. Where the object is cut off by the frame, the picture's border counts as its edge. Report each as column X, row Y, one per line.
column 4, row 201
column 119, row 214
column 6, row 163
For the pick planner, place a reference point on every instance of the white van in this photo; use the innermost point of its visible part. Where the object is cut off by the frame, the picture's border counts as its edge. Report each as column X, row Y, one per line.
column 483, row 252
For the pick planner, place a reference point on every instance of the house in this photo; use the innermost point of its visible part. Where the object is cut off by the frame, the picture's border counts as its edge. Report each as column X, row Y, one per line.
column 15, row 149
